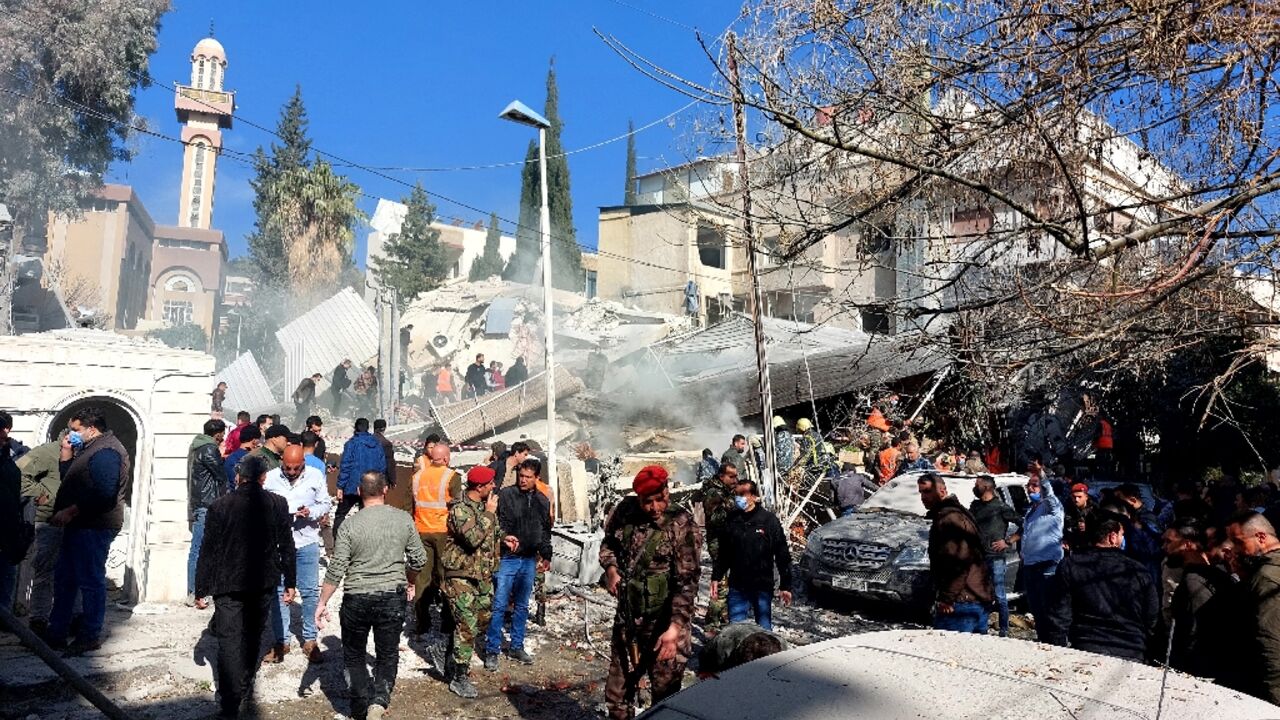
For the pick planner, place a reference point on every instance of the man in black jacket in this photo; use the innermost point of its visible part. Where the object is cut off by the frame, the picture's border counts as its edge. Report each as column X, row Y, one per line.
column 1104, row 601
column 205, row 483
column 993, row 518
column 339, row 382
column 248, row 547
column 303, row 396
column 96, row 477
column 524, row 514
column 13, row 544
column 475, row 380
column 752, row 545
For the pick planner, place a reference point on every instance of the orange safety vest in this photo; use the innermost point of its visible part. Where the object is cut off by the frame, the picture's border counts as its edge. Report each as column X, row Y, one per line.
column 877, row 421
column 431, row 497
column 444, row 380
column 545, row 489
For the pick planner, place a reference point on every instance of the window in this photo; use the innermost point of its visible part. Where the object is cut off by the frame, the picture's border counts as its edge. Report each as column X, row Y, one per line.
column 197, row 184
column 876, row 320
column 215, row 76
column 711, row 250
column 180, row 283
column 971, row 224
column 589, row 284
column 177, row 312
column 200, row 75
column 186, row 244
column 876, row 240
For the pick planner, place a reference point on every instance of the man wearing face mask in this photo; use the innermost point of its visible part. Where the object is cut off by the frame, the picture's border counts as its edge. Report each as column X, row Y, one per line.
column 993, row 518
column 752, row 545
column 1041, row 549
column 90, row 508
column 1256, row 550
column 1103, row 601
column 1209, row 608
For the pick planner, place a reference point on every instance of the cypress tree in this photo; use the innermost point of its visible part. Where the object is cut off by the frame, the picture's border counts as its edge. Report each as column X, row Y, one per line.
column 566, row 258
column 629, row 191
column 524, row 263
column 414, row 261
column 266, row 243
column 490, row 263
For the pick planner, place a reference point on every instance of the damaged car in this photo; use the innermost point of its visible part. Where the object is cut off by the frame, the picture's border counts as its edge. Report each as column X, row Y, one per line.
column 880, row 553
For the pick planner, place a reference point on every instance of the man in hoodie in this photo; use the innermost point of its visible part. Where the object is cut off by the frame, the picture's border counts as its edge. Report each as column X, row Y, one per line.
column 754, row 545
column 205, row 483
column 361, row 454
column 1258, row 554
column 96, row 475
column 524, row 515
column 957, row 560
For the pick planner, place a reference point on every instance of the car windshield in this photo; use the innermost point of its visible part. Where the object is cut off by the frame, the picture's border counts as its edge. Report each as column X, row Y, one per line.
column 899, row 494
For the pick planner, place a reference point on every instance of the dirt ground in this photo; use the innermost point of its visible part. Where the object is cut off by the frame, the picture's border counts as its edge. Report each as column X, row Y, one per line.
column 157, row 665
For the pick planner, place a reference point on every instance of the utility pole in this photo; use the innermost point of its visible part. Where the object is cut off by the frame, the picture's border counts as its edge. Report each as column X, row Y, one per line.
column 748, row 231
column 8, row 252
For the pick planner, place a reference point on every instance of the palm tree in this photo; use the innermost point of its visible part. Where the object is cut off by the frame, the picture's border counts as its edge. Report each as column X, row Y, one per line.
column 316, row 214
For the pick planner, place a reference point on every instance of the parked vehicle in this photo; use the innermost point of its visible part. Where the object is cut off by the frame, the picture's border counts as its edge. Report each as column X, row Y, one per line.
column 880, row 553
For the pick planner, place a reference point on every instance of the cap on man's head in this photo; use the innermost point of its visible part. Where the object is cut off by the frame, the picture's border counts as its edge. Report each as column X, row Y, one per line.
column 650, row 480
column 276, row 431
column 480, row 475
column 1079, row 487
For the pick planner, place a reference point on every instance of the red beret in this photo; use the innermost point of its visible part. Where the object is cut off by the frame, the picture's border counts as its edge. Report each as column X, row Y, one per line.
column 480, row 475
column 649, row 480
column 1080, row 486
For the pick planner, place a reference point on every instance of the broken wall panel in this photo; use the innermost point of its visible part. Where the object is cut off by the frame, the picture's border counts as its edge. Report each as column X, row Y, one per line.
column 339, row 328
column 470, row 419
column 247, row 387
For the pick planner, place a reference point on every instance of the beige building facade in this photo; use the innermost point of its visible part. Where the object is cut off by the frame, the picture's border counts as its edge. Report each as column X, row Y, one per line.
column 102, row 260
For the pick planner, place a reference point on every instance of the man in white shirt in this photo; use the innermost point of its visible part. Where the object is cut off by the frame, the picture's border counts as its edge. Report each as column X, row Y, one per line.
column 303, row 488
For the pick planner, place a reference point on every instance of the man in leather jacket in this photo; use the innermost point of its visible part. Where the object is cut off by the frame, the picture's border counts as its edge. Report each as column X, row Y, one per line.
column 205, row 483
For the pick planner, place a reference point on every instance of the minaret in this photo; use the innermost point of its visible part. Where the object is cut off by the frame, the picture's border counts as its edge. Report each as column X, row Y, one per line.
column 205, row 110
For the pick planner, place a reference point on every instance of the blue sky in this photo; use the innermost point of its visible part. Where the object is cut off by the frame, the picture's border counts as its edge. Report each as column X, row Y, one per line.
column 419, row 85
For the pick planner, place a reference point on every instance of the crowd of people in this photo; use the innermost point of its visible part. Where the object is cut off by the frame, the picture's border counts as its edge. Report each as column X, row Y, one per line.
column 1109, row 569
column 1192, row 583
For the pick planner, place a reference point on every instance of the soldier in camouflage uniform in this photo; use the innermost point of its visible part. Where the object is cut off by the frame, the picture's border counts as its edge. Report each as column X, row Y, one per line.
column 469, row 559
column 716, row 496
column 650, row 554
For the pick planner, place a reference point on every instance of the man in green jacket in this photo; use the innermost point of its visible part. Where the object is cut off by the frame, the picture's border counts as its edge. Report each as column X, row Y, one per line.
column 40, row 481
column 1258, row 553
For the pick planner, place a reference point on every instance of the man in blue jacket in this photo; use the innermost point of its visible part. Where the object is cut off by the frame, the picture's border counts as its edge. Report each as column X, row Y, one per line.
column 1041, row 552
column 362, row 454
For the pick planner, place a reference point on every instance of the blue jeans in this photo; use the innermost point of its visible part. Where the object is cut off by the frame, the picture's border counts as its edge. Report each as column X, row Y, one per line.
column 968, row 617
column 997, row 566
column 1038, row 584
column 193, row 555
column 512, row 583
column 308, row 570
column 758, row 602
column 81, row 569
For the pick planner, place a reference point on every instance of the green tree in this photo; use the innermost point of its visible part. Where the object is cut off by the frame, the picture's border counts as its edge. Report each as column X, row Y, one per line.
column 314, row 210
column 186, row 337
column 266, row 243
column 490, row 263
column 70, row 73
column 566, row 257
column 413, row 259
column 629, row 190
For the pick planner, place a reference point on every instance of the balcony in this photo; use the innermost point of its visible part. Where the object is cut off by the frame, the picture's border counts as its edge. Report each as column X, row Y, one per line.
column 209, row 102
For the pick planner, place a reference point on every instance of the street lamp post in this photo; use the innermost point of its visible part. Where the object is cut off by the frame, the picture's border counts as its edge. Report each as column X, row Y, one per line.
column 518, row 112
